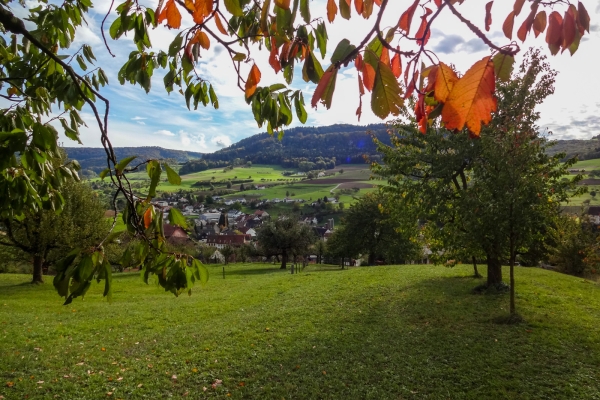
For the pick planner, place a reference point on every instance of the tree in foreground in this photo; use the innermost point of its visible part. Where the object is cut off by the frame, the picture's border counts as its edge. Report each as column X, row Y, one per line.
column 43, row 237
column 285, row 237
column 494, row 194
column 371, row 227
column 41, row 74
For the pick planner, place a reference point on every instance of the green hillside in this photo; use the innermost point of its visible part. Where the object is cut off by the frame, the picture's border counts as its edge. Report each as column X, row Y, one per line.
column 393, row 332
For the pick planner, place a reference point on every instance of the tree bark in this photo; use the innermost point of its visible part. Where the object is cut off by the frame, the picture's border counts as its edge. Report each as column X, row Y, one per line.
column 371, row 258
column 284, row 258
column 38, row 269
column 494, row 276
column 475, row 271
column 512, row 284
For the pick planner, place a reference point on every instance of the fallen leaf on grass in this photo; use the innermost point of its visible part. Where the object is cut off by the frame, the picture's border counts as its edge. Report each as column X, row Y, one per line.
column 120, row 378
column 174, row 377
column 140, row 385
column 79, row 364
column 217, row 383
column 40, row 382
column 194, row 369
column 242, row 384
column 103, row 349
column 10, row 384
column 204, row 389
column 109, row 393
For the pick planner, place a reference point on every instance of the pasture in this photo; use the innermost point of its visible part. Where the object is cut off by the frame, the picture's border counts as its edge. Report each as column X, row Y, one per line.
column 390, row 332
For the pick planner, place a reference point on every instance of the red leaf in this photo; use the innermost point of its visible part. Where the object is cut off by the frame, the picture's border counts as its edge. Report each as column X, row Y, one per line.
column 359, row 5
column 407, row 16
column 378, row 2
column 527, row 24
column 488, row 15
column 273, row 58
column 252, row 81
column 368, row 76
column 396, row 65
column 332, row 10
column 412, row 85
column 539, row 24
column 358, row 62
column 508, row 25
column 422, row 36
column 518, row 6
column 171, row 14
column 330, row 73
column 554, row 32
column 438, row 3
column 569, row 29
column 421, row 114
column 583, row 18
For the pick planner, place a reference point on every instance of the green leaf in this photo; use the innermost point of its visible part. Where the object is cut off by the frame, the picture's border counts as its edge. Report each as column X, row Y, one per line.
column 201, row 270
column 386, row 98
column 177, row 218
column 104, row 173
column 234, row 7
column 175, row 45
column 172, row 176
column 300, row 111
column 115, row 27
column 124, row 163
column 277, row 86
column 154, row 172
column 239, row 57
column 107, row 280
column 343, row 49
column 345, row 10
column 312, row 70
column 503, row 66
column 305, row 11
column 322, row 39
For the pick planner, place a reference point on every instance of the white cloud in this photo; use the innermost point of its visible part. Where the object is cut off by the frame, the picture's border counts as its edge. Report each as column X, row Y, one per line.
column 221, row 141
column 164, row 132
column 136, row 118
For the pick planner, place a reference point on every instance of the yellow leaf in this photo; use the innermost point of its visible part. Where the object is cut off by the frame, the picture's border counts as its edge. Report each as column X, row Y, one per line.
column 444, row 82
column 203, row 40
column 472, row 101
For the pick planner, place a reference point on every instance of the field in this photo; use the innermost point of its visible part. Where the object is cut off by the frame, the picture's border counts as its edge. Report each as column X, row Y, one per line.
column 393, row 332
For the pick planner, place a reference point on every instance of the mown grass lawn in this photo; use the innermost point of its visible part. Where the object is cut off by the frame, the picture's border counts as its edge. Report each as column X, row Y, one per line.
column 394, row 332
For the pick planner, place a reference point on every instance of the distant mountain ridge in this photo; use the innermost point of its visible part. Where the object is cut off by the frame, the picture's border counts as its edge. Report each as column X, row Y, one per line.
column 94, row 158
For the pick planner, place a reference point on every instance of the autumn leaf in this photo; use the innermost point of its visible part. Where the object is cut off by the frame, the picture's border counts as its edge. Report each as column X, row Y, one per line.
column 583, row 18
column 368, row 76
column 539, row 24
column 273, row 57
column 359, row 6
column 252, row 81
column 472, row 101
column 325, row 88
column 396, row 65
column 528, row 23
column 407, row 16
column 422, row 36
column 367, row 8
column 171, row 14
column 385, row 99
column 189, row 4
column 147, row 219
column 569, row 28
column 488, row 15
column 332, row 10
column 358, row 62
column 518, row 6
column 203, row 40
column 445, row 79
column 361, row 92
column 219, row 24
column 385, row 56
column 285, row 4
column 554, row 32
column 507, row 26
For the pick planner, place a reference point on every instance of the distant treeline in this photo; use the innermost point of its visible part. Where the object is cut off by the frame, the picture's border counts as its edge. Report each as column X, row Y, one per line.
column 305, row 148
column 583, row 149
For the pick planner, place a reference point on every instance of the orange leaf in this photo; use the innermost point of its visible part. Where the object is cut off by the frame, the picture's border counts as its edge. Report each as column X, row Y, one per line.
column 431, row 73
column 203, row 40
column 385, row 56
column 421, row 114
column 189, row 4
column 421, row 36
column 285, row 4
column 359, row 5
column 330, row 73
column 507, row 27
column 252, row 81
column 412, row 85
column 358, row 62
column 539, row 24
column 569, row 27
column 273, row 59
column 171, row 14
column 369, row 76
column 283, row 55
column 407, row 16
column 367, row 8
column 583, row 18
column 147, row 219
column 472, row 101
column 527, row 24
column 396, row 65
column 219, row 24
column 445, row 79
column 518, row 6
column 488, row 15
column 378, row 2
column 332, row 10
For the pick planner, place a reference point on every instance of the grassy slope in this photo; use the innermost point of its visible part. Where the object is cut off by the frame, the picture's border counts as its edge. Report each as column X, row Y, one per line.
column 369, row 333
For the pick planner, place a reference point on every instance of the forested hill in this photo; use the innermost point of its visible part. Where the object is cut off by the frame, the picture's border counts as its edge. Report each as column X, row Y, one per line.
column 327, row 144
column 94, row 158
column 583, row 149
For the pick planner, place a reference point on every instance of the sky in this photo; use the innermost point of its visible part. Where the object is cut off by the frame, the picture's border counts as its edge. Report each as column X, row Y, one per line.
column 159, row 119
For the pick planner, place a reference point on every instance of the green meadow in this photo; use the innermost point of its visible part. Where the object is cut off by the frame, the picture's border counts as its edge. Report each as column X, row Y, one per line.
column 391, row 332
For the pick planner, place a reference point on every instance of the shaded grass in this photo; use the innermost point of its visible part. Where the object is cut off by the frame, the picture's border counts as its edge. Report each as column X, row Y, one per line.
column 364, row 333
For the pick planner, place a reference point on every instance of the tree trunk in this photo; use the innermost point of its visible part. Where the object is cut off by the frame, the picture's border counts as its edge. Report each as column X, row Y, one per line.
column 371, row 258
column 512, row 285
column 38, row 269
column 475, row 271
column 494, row 276
column 284, row 258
